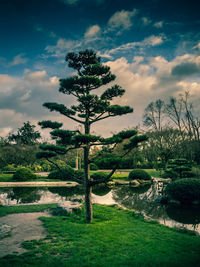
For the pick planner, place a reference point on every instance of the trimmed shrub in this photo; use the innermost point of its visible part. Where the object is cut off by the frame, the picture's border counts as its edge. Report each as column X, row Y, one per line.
column 79, row 174
column 170, row 174
column 98, row 175
column 93, row 167
column 179, row 166
column 186, row 190
column 67, row 173
column 188, row 174
column 107, row 161
column 139, row 174
column 62, row 164
column 24, row 174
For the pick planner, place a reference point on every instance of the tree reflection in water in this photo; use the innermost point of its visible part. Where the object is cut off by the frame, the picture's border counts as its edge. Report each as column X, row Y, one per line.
column 101, row 190
column 141, row 199
column 25, row 194
column 185, row 215
column 69, row 193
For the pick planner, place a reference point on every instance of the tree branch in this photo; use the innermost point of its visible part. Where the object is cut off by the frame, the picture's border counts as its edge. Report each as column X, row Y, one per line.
column 74, row 178
column 105, row 117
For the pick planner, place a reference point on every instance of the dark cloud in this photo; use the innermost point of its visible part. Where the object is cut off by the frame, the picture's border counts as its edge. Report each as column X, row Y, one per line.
column 185, row 69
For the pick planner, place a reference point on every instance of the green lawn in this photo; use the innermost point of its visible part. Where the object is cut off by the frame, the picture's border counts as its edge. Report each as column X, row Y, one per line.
column 4, row 177
column 9, row 178
column 118, row 175
column 115, row 238
column 153, row 172
column 25, row 208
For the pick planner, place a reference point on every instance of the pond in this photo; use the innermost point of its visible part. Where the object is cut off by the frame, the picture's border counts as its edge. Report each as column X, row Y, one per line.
column 144, row 200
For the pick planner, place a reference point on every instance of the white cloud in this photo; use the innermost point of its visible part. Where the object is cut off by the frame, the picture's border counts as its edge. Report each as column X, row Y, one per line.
column 22, row 99
column 10, row 120
column 147, row 42
column 37, row 75
column 153, row 40
column 147, row 81
column 17, row 60
column 159, row 24
column 197, row 46
column 7, row 83
column 121, row 20
column 92, row 31
column 146, row 21
column 62, row 45
column 104, row 55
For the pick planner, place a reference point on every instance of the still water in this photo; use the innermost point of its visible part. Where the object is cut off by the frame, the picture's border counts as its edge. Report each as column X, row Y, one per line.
column 144, row 200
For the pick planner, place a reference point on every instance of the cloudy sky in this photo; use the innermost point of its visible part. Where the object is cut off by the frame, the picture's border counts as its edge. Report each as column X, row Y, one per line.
column 153, row 47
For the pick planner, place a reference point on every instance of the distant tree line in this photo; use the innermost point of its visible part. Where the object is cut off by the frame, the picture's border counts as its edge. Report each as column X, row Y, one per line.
column 173, row 131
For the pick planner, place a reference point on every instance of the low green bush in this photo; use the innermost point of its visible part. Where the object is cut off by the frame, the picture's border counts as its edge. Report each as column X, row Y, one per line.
column 98, row 175
column 139, row 174
column 186, row 190
column 9, row 167
column 67, row 173
column 188, row 174
column 61, row 164
column 24, row 174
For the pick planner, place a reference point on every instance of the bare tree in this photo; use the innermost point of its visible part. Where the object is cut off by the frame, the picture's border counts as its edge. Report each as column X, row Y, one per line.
column 191, row 122
column 154, row 113
column 174, row 111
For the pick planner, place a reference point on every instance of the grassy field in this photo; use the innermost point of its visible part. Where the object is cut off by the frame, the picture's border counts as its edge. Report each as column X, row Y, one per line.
column 115, row 238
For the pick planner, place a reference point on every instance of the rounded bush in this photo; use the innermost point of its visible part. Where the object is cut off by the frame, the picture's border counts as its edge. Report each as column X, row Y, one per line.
column 67, row 173
column 24, row 174
column 139, row 174
column 186, row 190
column 98, row 175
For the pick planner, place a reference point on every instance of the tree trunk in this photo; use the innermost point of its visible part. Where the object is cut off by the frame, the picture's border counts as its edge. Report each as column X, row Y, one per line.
column 88, row 204
column 88, row 188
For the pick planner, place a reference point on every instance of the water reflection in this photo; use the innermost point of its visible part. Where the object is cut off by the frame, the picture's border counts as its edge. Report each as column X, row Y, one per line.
column 101, row 190
column 24, row 195
column 142, row 199
column 185, row 215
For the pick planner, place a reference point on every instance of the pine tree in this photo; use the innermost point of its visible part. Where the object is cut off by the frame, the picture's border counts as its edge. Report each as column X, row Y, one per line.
column 90, row 108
